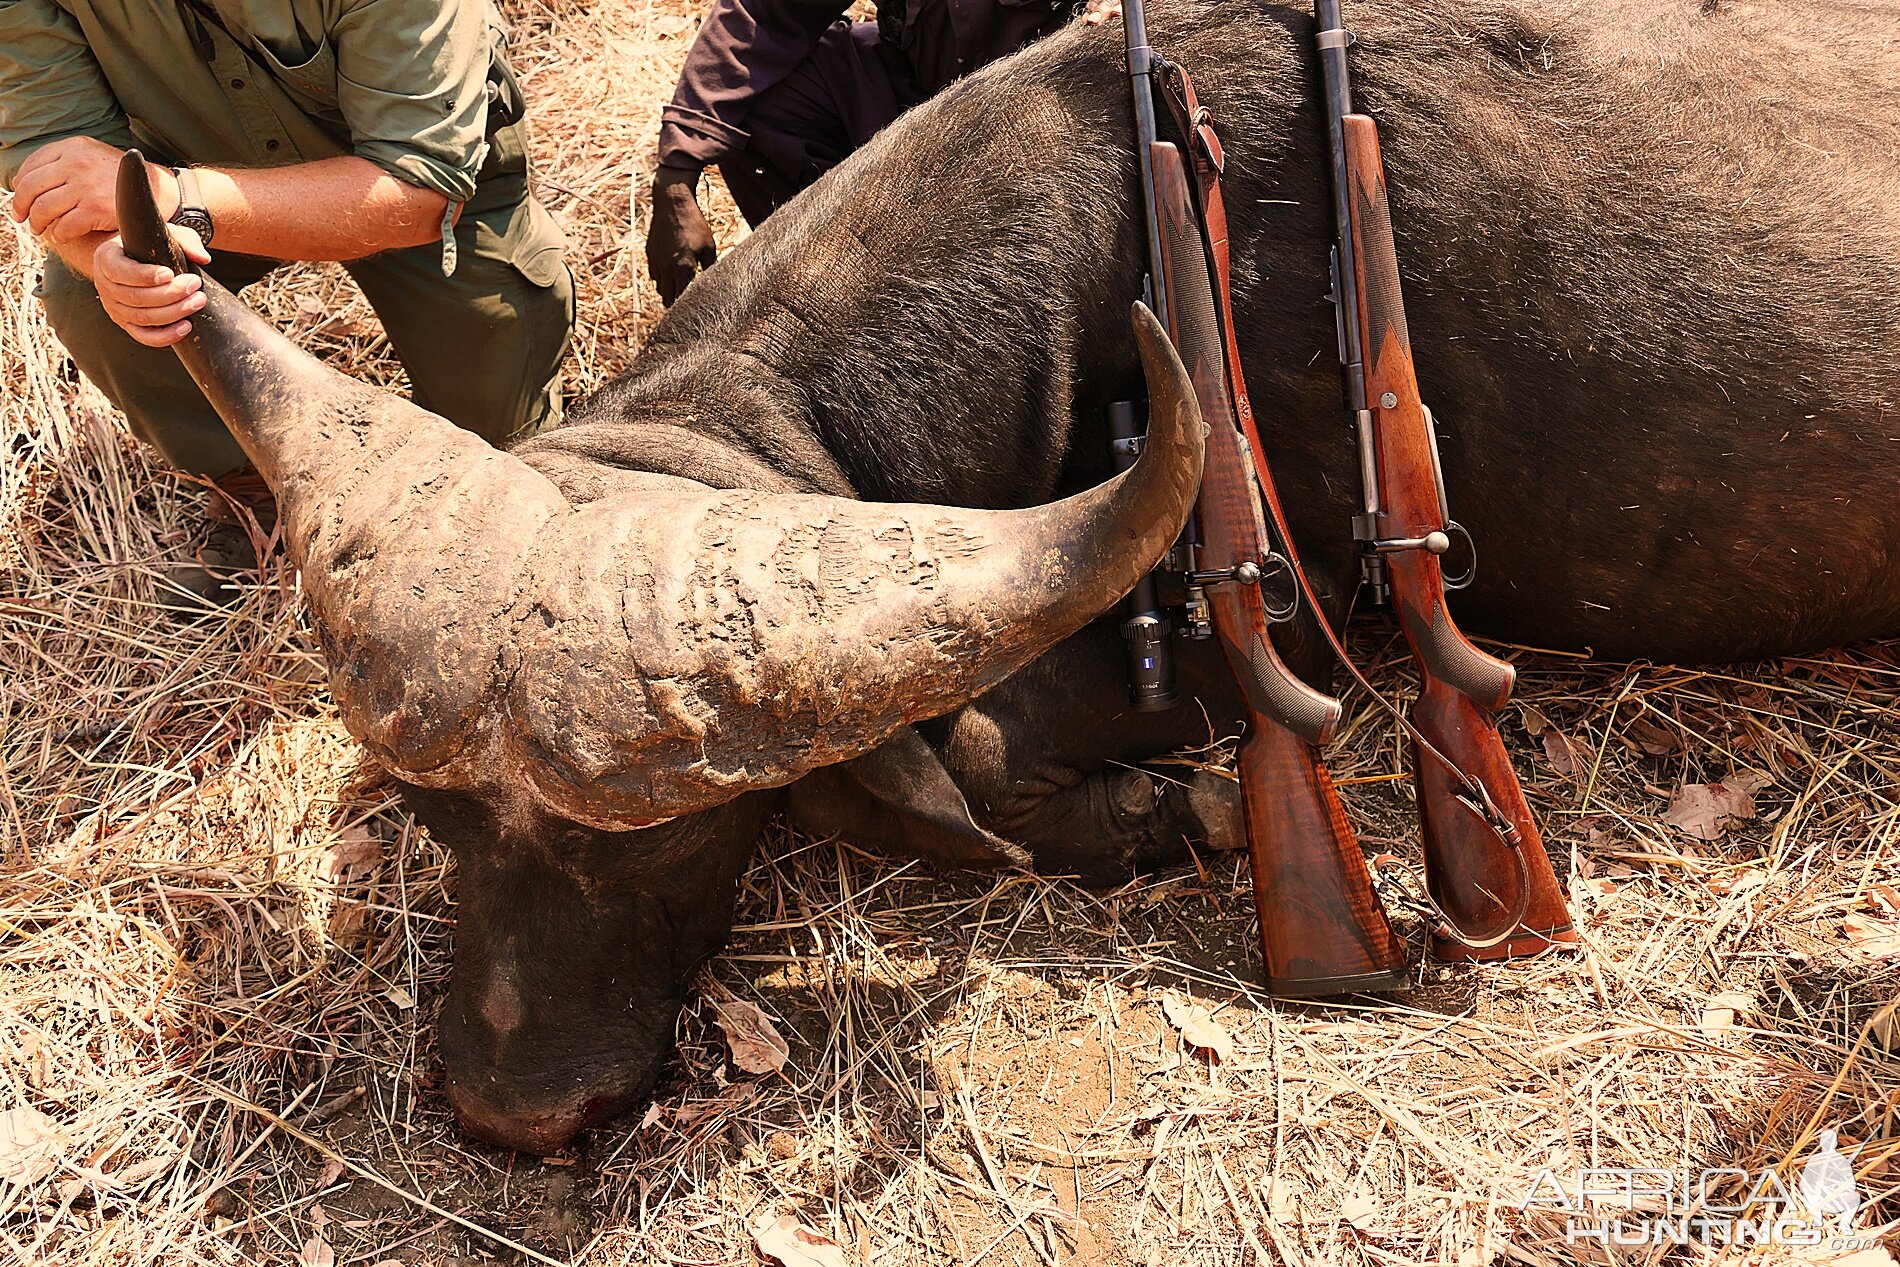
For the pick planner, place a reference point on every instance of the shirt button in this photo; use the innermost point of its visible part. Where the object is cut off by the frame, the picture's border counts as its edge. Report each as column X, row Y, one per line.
column 270, row 145
column 237, row 83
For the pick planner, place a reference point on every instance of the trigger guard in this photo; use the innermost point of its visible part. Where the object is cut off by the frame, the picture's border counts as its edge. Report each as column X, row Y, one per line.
column 1455, row 529
column 1276, row 564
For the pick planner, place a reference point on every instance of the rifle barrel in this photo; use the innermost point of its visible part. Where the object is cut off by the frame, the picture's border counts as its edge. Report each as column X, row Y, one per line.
column 1141, row 87
column 1338, row 88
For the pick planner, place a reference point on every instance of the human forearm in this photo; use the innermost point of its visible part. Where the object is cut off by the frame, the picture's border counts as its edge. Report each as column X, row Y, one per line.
column 743, row 48
column 332, row 209
column 77, row 254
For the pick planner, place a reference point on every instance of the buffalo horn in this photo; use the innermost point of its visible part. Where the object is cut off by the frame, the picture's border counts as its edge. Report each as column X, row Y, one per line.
column 652, row 654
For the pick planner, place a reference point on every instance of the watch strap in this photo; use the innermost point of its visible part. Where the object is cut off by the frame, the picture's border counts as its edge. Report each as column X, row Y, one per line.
column 191, row 212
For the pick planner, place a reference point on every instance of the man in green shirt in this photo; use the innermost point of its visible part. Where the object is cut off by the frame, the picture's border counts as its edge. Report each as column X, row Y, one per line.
column 385, row 134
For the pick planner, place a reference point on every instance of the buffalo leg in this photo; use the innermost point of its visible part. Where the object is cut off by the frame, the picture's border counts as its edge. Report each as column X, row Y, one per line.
column 1056, row 761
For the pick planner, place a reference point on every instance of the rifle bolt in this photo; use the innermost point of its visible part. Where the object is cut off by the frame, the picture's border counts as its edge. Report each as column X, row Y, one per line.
column 1433, row 542
column 1247, row 573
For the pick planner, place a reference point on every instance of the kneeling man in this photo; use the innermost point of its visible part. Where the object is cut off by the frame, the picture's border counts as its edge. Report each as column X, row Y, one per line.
column 385, row 134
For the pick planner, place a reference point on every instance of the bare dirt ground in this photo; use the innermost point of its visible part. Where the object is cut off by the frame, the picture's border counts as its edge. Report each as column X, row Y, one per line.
column 222, row 945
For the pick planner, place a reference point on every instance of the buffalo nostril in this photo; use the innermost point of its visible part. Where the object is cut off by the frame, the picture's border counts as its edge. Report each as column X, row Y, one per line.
column 542, row 1131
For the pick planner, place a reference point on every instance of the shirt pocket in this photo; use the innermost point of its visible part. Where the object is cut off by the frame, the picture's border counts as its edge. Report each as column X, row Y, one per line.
column 311, row 83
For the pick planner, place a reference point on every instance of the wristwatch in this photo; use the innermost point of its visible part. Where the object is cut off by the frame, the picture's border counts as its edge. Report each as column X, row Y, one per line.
column 191, row 211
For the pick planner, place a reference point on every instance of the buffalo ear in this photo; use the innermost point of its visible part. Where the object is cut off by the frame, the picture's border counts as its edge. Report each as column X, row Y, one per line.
column 898, row 797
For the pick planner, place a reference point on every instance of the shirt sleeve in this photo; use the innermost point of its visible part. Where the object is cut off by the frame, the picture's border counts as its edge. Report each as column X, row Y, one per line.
column 412, row 83
column 743, row 48
column 51, row 88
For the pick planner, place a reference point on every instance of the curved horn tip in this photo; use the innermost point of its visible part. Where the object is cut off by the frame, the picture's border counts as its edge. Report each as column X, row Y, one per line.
column 1148, row 328
column 141, row 228
column 1174, row 412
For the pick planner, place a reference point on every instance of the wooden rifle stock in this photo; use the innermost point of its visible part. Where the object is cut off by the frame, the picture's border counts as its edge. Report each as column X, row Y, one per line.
column 1470, row 870
column 1322, row 929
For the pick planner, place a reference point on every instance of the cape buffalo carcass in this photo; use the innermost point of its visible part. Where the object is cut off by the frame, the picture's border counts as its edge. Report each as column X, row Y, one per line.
column 1653, row 259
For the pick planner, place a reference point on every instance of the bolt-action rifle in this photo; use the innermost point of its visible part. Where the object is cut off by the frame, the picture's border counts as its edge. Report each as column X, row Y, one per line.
column 1322, row 929
column 1485, row 866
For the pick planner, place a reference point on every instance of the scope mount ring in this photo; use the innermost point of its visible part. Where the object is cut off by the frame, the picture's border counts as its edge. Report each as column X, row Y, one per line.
column 1455, row 529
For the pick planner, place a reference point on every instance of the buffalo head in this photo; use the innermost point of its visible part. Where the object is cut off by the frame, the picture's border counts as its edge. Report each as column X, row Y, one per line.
column 582, row 695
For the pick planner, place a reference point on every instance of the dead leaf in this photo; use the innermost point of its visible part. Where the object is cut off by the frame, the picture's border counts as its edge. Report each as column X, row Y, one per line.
column 756, row 1044
column 332, row 1171
column 1655, row 740
column 140, row 1173
column 1199, row 1028
column 400, row 997
column 1885, row 1028
column 1360, row 1209
column 347, row 922
column 316, row 1252
column 1874, row 938
column 1281, row 1203
column 1597, row 886
column 1703, row 810
column 1882, row 899
column 733, row 1097
column 353, row 856
column 1719, row 1013
column 343, row 328
column 1566, row 754
column 1741, row 880
column 29, row 1145
column 793, row 1244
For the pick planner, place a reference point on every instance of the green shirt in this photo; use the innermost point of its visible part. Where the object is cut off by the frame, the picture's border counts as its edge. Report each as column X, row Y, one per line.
column 402, row 83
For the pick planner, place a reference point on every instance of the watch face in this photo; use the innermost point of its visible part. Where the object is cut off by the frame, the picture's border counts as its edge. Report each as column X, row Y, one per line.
column 197, row 221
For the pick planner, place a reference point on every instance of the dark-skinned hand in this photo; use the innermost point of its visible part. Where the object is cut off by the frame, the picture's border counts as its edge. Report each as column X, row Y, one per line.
column 679, row 242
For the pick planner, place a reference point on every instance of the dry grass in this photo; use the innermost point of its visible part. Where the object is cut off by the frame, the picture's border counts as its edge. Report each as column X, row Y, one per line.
column 221, row 944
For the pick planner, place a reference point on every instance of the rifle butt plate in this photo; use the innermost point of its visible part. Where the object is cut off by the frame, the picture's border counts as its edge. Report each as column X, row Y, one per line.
column 1324, row 987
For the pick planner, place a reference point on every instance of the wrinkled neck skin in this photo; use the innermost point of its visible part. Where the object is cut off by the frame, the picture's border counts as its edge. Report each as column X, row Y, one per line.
column 944, row 318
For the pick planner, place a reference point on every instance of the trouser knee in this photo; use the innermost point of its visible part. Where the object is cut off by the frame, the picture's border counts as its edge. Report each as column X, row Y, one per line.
column 150, row 385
